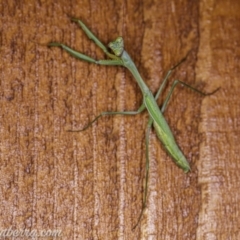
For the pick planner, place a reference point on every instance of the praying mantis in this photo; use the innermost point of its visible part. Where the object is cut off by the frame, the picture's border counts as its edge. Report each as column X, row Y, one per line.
column 119, row 57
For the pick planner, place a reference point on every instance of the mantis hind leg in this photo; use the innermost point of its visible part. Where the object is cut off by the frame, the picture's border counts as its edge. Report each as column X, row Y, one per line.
column 175, row 83
column 149, row 125
column 144, row 200
column 166, row 78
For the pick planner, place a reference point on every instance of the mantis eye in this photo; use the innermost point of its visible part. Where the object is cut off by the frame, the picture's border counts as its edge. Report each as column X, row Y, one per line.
column 117, row 46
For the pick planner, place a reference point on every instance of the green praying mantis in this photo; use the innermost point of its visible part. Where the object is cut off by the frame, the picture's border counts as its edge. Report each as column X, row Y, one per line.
column 119, row 57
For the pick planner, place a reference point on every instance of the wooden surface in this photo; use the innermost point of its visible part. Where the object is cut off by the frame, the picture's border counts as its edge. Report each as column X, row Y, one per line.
column 89, row 184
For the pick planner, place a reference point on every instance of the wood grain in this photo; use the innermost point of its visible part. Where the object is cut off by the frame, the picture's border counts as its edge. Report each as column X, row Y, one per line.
column 89, row 184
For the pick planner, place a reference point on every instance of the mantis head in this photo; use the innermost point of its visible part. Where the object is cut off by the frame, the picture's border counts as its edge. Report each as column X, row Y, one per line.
column 117, row 46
